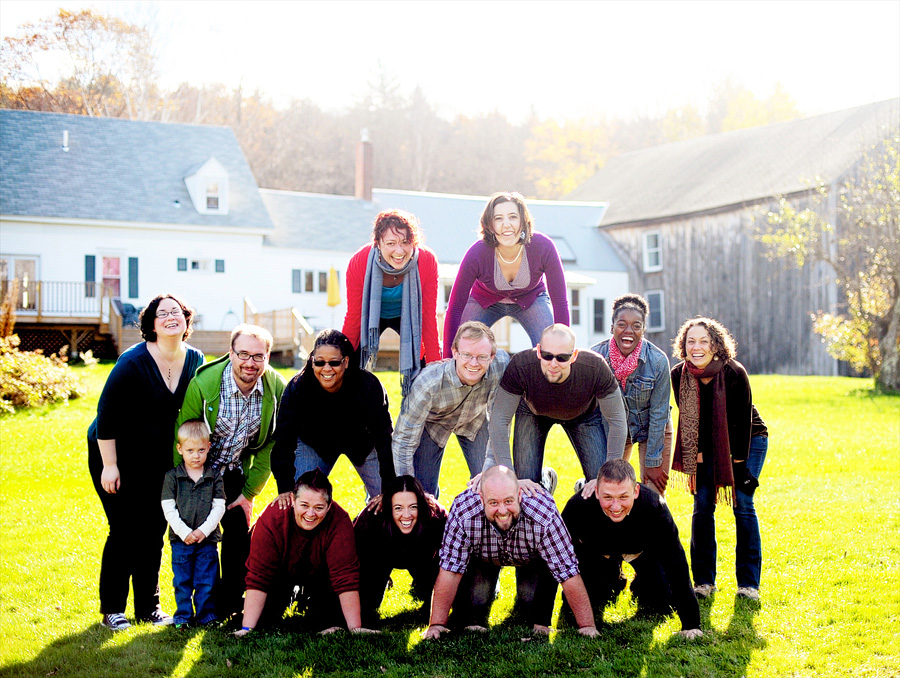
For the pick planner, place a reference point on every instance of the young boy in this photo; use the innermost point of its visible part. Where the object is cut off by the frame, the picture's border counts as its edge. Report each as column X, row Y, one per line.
column 193, row 501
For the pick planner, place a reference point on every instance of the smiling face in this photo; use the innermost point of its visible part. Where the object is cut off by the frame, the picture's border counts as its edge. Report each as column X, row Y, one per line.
column 473, row 357
column 310, row 508
column 405, row 509
column 617, row 499
column 330, row 377
column 628, row 330
column 247, row 371
column 396, row 248
column 169, row 325
column 500, row 496
column 698, row 346
column 194, row 453
column 556, row 372
column 507, row 223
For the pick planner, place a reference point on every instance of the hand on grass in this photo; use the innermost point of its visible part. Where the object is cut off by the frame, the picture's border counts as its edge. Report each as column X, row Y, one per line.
column 690, row 634
column 245, row 504
column 330, row 630
column 541, row 630
column 109, row 478
column 365, row 631
column 240, row 633
column 589, row 631
column 434, row 632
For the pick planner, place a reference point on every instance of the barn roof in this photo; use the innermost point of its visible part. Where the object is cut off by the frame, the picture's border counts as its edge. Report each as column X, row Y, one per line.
column 733, row 168
column 119, row 170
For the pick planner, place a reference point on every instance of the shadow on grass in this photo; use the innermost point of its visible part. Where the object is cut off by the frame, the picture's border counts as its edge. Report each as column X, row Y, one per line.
column 97, row 653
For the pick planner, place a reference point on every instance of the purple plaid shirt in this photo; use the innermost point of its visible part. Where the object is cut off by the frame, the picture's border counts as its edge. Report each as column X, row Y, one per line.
column 539, row 532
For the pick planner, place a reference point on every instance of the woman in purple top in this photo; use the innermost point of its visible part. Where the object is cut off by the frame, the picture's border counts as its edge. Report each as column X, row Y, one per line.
column 504, row 273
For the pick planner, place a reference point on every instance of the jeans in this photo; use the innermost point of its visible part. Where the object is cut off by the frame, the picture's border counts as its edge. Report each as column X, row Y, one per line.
column 306, row 459
column 429, row 455
column 585, row 433
column 194, row 571
column 535, row 593
column 748, row 548
column 534, row 319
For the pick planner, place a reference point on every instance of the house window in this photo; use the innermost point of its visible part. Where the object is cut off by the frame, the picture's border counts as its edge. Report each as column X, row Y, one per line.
column 447, row 290
column 575, row 306
column 199, row 265
column 656, row 300
column 323, row 281
column 212, row 195
column 599, row 316
column 220, row 265
column 182, row 264
column 310, row 284
column 296, row 281
column 112, row 276
column 652, row 251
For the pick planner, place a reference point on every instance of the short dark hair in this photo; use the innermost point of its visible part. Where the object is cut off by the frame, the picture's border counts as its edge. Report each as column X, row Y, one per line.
column 316, row 481
column 404, row 483
column 617, row 470
column 630, row 301
column 723, row 345
column 487, row 217
column 399, row 220
column 338, row 340
column 254, row 331
column 147, row 317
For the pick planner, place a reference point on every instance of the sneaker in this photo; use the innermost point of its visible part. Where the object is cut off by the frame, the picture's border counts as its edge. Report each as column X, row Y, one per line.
column 115, row 622
column 181, row 625
column 748, row 592
column 549, row 479
column 705, row 590
column 158, row 618
column 579, row 486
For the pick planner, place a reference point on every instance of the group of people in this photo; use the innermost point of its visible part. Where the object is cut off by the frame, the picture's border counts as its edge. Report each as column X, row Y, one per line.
column 218, row 430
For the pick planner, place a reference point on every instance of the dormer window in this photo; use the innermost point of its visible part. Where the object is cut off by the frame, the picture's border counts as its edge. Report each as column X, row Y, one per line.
column 207, row 184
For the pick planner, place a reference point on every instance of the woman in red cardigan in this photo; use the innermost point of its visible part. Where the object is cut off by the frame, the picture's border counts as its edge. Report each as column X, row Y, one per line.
column 393, row 282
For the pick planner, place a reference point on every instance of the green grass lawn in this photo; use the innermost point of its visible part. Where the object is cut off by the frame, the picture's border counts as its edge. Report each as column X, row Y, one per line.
column 830, row 605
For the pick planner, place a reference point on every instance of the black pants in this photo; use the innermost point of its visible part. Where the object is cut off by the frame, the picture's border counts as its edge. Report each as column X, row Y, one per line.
column 235, row 549
column 535, row 593
column 317, row 603
column 373, row 578
column 133, row 549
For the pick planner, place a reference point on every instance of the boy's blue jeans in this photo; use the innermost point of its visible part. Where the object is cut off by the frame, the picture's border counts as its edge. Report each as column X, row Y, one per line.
column 194, row 571
column 748, row 547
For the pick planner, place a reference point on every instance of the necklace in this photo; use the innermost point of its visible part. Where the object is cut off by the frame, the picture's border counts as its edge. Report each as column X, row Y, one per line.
column 169, row 364
column 514, row 259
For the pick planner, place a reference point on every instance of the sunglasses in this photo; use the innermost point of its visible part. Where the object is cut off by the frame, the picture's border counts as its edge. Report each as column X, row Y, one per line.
column 560, row 357
column 330, row 363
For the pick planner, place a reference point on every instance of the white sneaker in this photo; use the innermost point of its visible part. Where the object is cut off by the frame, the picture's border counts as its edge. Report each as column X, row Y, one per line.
column 705, row 590
column 116, row 622
column 549, row 479
column 748, row 592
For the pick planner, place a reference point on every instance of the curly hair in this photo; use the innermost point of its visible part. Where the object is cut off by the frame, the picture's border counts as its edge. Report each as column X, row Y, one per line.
column 147, row 317
column 630, row 301
column 487, row 217
column 399, row 221
column 723, row 344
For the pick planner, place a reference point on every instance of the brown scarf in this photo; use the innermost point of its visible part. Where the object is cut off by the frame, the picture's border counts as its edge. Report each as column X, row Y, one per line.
column 688, row 438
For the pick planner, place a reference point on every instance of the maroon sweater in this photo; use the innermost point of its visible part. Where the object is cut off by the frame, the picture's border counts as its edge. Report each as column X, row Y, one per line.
column 280, row 551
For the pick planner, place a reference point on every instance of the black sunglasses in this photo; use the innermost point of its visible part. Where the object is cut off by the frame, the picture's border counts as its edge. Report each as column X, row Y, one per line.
column 330, row 363
column 560, row 357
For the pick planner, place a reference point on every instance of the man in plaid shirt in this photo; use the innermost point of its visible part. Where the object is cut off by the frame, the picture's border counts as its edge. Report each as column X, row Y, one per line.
column 495, row 527
column 451, row 396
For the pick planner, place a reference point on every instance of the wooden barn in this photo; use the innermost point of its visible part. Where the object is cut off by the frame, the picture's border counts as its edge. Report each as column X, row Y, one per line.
column 683, row 217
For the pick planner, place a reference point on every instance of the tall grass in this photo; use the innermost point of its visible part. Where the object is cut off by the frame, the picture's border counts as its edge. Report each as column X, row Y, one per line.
column 830, row 605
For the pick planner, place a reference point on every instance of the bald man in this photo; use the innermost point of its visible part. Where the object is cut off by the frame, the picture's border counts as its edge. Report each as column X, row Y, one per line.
column 494, row 527
column 556, row 384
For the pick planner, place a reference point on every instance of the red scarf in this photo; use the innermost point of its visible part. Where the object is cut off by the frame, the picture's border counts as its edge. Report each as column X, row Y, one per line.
column 623, row 366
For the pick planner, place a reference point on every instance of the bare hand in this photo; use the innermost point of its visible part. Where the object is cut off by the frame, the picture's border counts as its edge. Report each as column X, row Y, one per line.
column 541, row 630
column 109, row 478
column 364, row 630
column 283, row 501
column 434, row 632
column 375, row 503
column 197, row 535
column 690, row 634
column 589, row 631
column 474, row 483
column 658, row 476
column 240, row 633
column 529, row 488
column 588, row 490
column 330, row 630
column 245, row 504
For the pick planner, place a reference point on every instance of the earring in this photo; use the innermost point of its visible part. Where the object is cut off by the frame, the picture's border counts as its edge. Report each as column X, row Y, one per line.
column 521, row 235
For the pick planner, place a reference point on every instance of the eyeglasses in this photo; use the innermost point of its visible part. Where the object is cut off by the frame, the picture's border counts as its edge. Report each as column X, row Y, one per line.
column 255, row 357
column 560, row 357
column 330, row 363
column 482, row 359
column 635, row 327
column 175, row 313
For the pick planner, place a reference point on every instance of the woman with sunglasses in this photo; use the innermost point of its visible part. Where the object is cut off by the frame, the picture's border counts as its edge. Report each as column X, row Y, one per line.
column 129, row 452
column 332, row 407
column 504, row 273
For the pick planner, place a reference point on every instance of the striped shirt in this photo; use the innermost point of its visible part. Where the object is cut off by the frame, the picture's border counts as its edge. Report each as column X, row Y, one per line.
column 539, row 532
column 441, row 404
column 237, row 424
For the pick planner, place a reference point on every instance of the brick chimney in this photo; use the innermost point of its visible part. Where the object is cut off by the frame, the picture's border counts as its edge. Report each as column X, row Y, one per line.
column 365, row 175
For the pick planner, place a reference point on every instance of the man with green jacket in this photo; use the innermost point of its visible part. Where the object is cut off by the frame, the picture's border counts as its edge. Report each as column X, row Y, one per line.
column 238, row 396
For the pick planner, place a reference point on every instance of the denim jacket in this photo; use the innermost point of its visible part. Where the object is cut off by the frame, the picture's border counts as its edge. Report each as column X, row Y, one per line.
column 647, row 394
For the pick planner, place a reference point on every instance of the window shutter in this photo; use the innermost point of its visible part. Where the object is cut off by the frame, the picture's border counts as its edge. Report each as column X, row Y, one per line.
column 132, row 277
column 90, row 276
